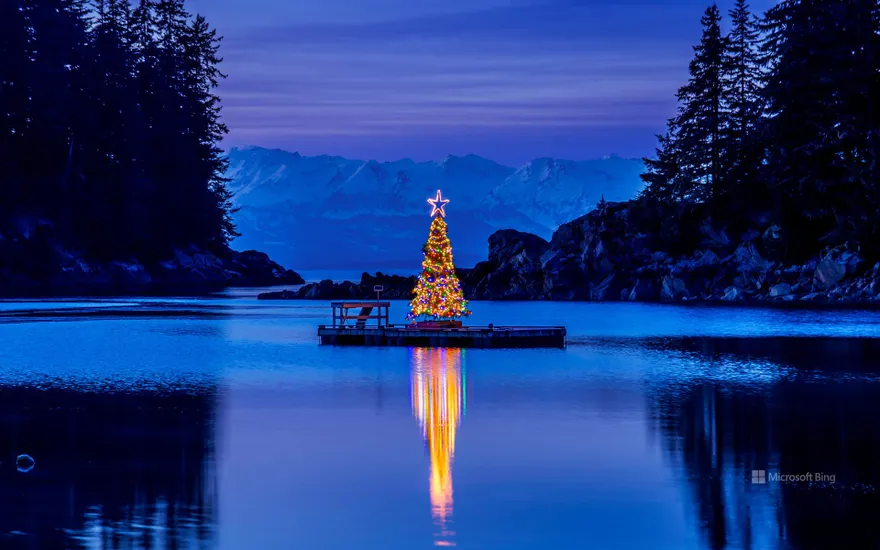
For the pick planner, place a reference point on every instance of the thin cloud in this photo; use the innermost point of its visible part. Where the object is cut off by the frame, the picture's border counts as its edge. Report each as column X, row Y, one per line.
column 560, row 68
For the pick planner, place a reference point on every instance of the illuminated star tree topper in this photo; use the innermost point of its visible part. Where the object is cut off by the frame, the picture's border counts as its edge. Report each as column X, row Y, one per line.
column 438, row 292
column 437, row 204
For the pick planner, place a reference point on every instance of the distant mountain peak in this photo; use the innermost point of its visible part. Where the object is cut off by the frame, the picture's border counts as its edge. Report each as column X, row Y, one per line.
column 256, row 149
column 447, row 160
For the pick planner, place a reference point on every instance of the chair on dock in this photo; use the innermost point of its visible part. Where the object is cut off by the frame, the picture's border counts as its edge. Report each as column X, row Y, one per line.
column 363, row 316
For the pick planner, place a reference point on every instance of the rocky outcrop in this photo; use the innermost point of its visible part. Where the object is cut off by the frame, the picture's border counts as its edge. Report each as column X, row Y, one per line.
column 602, row 256
column 673, row 288
column 780, row 290
column 513, row 270
column 395, row 287
column 36, row 265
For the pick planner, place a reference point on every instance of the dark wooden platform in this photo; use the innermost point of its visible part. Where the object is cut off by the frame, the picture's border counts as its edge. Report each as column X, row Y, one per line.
column 465, row 337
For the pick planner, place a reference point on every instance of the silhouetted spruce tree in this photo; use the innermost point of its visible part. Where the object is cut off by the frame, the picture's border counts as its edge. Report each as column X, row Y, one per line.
column 743, row 76
column 202, row 52
column 690, row 158
column 821, row 127
column 144, row 199
column 170, row 157
column 663, row 174
column 15, row 42
column 874, row 155
column 701, row 118
column 204, row 130
column 57, row 51
column 112, row 107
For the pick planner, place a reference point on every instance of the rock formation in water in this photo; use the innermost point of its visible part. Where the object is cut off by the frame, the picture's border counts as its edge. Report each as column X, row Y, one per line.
column 603, row 256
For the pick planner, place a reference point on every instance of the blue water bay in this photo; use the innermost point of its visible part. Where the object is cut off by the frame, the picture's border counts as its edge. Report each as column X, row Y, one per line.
column 221, row 423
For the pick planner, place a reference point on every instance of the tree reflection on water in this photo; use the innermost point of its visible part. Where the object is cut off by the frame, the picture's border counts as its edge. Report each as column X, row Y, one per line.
column 129, row 469
column 822, row 417
column 438, row 403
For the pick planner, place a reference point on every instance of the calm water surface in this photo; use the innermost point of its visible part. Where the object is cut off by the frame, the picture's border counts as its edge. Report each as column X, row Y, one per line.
column 220, row 423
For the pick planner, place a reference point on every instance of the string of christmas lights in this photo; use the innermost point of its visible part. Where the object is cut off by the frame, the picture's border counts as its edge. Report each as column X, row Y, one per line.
column 438, row 292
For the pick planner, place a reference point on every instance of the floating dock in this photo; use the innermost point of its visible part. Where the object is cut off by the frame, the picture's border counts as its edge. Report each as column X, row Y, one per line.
column 344, row 332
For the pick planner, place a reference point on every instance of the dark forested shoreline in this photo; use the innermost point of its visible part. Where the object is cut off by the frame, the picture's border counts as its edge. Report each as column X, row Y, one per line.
column 765, row 186
column 109, row 131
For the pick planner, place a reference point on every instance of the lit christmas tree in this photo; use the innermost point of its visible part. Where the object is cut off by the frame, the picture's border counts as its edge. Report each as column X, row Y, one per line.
column 438, row 292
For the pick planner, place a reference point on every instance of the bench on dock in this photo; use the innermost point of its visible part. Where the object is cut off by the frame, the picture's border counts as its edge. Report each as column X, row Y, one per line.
column 341, row 313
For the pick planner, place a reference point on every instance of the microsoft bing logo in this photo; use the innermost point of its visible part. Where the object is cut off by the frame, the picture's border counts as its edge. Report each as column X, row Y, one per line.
column 759, row 476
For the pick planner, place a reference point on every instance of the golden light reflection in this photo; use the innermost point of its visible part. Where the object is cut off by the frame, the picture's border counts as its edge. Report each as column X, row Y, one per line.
column 438, row 402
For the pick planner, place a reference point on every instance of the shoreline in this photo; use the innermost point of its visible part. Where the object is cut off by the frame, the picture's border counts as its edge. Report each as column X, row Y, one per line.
column 45, row 268
column 743, row 304
column 341, row 291
column 165, row 291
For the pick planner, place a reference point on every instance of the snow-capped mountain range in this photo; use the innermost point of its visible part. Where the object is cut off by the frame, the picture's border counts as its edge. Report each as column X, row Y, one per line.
column 328, row 212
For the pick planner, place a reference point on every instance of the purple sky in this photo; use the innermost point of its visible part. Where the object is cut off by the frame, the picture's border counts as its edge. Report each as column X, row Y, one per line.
column 510, row 80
